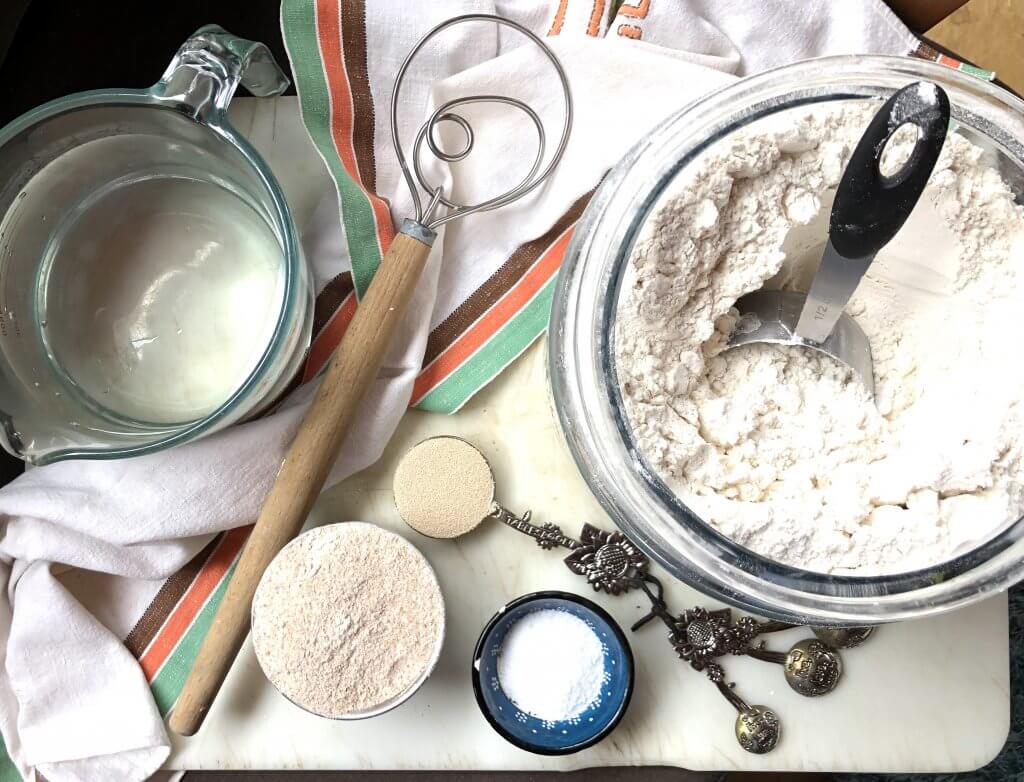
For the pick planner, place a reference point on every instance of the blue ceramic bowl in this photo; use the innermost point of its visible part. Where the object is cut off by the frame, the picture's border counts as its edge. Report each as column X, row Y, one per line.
column 541, row 736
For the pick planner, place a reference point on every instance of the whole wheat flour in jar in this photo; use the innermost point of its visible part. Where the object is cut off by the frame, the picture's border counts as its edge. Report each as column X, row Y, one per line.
column 346, row 618
column 781, row 449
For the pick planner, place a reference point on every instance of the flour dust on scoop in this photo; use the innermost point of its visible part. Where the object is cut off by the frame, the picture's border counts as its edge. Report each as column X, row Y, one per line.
column 780, row 448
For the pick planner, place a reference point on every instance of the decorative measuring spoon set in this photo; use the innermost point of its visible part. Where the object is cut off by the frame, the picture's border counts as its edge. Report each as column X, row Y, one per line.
column 444, row 488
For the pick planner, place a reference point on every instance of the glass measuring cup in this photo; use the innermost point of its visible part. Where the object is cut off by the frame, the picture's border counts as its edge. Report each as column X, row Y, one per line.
column 152, row 287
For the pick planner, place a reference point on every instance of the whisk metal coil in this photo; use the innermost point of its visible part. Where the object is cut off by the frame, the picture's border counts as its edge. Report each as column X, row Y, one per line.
column 447, row 112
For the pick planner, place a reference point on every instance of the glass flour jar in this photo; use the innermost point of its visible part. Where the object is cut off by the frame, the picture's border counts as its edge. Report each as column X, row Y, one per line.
column 584, row 378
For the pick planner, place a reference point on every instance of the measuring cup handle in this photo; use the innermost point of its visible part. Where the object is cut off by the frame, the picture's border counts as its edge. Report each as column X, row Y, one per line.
column 871, row 207
column 206, row 71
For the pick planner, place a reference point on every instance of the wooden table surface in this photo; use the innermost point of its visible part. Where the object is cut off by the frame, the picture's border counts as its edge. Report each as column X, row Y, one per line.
column 990, row 33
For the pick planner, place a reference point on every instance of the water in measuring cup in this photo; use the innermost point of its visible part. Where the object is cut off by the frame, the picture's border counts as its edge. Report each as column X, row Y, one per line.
column 159, row 296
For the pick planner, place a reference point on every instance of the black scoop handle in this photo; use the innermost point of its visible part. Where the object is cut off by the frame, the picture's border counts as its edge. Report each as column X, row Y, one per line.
column 870, row 207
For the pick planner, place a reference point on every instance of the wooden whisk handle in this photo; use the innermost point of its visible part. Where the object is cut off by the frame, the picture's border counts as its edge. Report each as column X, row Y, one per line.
column 306, row 465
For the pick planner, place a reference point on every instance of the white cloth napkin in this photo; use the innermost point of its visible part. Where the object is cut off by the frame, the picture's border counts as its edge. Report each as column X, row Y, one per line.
column 74, row 704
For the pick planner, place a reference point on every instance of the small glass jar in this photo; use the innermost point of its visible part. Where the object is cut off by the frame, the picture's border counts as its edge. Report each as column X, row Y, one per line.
column 586, row 390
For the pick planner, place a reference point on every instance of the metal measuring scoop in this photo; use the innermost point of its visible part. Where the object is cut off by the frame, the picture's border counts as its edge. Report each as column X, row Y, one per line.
column 869, row 209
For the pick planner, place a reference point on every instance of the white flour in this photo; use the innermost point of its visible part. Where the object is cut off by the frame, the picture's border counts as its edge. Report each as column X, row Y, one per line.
column 780, row 448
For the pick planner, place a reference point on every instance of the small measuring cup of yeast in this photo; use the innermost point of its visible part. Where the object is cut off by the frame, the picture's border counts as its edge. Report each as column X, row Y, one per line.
column 444, row 487
column 348, row 621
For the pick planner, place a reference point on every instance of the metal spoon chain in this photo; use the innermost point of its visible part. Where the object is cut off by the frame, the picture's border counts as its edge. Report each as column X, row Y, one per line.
column 612, row 563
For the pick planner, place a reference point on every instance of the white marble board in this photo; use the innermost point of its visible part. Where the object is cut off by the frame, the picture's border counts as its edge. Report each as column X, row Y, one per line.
column 926, row 696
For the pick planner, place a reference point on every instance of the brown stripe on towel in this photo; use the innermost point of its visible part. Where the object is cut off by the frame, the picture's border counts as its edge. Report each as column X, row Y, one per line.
column 353, row 40
column 166, row 599
column 499, row 283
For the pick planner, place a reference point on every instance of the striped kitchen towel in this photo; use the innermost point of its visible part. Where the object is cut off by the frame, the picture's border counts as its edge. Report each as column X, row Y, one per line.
column 112, row 571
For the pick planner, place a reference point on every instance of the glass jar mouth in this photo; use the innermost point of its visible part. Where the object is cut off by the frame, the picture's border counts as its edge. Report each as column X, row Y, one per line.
column 585, row 382
column 293, row 288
